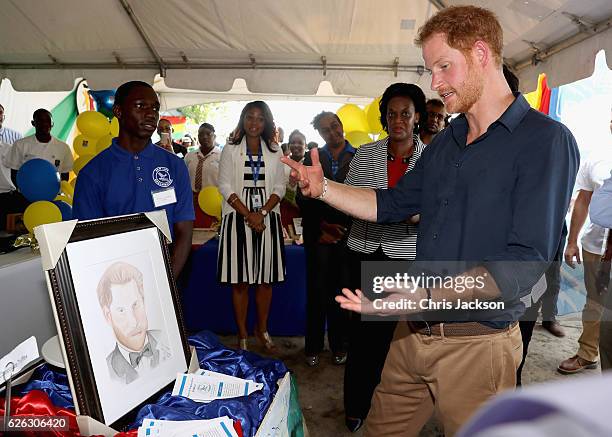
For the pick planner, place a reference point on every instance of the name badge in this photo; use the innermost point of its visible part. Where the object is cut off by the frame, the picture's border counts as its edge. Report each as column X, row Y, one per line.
column 256, row 201
column 164, row 197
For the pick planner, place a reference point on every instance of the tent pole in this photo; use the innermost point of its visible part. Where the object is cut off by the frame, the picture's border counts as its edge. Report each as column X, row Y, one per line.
column 140, row 29
column 564, row 44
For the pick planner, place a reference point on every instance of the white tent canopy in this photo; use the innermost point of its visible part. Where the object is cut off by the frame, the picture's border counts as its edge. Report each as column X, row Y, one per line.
column 281, row 48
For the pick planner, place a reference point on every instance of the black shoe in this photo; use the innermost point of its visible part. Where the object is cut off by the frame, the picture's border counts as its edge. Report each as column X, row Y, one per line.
column 339, row 358
column 353, row 423
column 554, row 328
column 312, row 360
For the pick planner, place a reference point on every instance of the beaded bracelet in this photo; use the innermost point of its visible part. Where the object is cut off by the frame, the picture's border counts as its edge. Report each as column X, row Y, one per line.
column 324, row 189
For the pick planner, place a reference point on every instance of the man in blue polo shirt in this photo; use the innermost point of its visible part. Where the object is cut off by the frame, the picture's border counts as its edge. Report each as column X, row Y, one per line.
column 492, row 191
column 133, row 175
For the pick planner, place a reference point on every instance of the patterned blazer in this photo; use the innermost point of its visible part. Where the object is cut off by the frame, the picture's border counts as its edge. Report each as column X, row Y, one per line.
column 369, row 169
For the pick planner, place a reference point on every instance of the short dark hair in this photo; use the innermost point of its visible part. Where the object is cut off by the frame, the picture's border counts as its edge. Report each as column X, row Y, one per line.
column 124, row 90
column 435, row 102
column 401, row 89
column 513, row 81
column 40, row 111
column 298, row 133
column 316, row 122
column 311, row 145
column 1, row 106
column 207, row 126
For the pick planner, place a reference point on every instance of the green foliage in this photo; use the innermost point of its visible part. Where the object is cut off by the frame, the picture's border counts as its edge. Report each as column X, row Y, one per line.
column 204, row 112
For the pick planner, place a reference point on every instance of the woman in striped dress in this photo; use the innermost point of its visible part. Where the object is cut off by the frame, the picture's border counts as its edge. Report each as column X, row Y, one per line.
column 252, row 180
column 380, row 165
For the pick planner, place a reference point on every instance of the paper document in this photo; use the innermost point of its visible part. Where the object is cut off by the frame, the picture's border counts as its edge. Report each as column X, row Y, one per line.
column 18, row 358
column 211, row 386
column 219, row 427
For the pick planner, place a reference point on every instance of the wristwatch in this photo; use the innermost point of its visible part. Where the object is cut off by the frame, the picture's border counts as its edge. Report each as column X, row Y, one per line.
column 263, row 212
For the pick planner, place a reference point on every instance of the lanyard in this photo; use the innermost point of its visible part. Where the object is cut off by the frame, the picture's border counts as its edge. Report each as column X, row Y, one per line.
column 255, row 169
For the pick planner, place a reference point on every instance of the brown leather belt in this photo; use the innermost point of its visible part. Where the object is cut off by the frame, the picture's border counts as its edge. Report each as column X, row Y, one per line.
column 464, row 329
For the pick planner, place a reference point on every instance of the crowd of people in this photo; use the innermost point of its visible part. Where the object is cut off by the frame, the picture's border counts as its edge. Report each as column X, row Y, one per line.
column 489, row 189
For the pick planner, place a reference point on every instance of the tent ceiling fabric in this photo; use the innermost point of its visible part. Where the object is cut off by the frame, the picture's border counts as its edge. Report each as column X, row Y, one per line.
column 546, row 23
column 275, row 46
column 281, row 37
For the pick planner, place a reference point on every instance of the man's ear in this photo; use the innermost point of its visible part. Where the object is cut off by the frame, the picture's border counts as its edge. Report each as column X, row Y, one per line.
column 107, row 316
column 34, row 125
column 482, row 52
column 417, row 117
column 117, row 111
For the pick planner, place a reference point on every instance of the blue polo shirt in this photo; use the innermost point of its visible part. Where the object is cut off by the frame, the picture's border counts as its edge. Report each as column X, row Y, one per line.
column 117, row 182
column 499, row 201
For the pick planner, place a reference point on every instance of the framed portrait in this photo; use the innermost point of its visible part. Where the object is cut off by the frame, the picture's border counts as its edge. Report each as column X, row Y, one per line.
column 118, row 313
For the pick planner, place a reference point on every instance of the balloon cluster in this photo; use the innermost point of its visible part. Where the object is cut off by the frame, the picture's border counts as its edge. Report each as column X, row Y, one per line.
column 40, row 183
column 96, row 134
column 360, row 124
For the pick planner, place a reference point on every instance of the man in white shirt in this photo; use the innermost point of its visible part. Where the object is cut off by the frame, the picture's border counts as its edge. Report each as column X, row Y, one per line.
column 203, row 164
column 11, row 201
column 7, row 136
column 40, row 145
column 589, row 179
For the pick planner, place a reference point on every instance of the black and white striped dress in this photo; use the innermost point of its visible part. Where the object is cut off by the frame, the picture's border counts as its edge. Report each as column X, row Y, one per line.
column 245, row 255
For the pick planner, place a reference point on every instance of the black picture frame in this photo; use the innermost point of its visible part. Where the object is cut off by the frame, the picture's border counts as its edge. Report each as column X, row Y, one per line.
column 70, row 324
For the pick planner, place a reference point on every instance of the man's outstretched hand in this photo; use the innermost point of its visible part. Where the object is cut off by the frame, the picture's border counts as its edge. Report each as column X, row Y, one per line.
column 391, row 305
column 351, row 301
column 308, row 177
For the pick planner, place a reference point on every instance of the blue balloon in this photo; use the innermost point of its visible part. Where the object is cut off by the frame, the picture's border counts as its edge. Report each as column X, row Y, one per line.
column 65, row 208
column 38, row 179
column 105, row 99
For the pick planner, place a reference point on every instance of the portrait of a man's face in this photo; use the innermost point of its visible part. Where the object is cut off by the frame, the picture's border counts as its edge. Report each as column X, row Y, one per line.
column 116, row 306
column 122, row 299
column 121, row 296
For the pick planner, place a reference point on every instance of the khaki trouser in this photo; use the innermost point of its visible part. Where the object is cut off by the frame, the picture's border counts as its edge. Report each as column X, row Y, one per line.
column 451, row 376
column 591, row 313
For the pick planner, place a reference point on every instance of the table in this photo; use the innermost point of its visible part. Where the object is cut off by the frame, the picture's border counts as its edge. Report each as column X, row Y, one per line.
column 208, row 304
column 25, row 307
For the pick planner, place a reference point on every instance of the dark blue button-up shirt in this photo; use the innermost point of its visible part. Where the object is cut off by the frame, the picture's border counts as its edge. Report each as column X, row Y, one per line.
column 499, row 201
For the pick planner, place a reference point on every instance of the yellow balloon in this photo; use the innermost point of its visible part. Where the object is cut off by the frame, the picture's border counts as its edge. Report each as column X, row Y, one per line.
column 210, row 201
column 353, row 118
column 382, row 135
column 80, row 162
column 66, row 188
column 84, row 145
column 64, row 198
column 104, row 143
column 41, row 213
column 114, row 127
column 373, row 116
column 358, row 138
column 93, row 124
